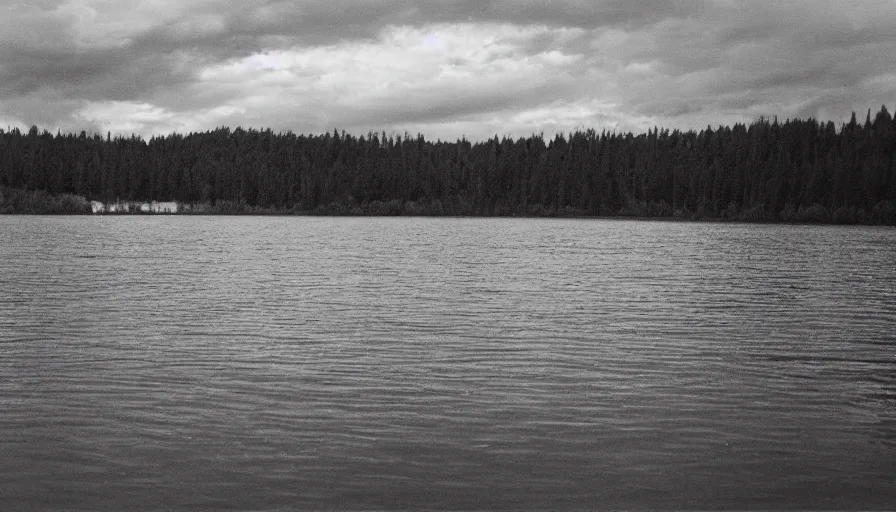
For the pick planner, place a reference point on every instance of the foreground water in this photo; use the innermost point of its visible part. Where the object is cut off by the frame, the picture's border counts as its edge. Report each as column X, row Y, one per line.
column 159, row 363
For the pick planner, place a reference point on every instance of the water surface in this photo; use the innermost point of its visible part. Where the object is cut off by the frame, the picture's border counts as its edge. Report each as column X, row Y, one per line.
column 196, row 363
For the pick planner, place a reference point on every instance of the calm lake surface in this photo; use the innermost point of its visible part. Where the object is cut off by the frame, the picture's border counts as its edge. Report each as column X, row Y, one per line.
column 266, row 363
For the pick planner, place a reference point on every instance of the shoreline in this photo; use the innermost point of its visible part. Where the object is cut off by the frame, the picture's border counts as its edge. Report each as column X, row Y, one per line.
column 713, row 220
column 29, row 202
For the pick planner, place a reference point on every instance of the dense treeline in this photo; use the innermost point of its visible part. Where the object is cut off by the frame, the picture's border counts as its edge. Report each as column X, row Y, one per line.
column 799, row 170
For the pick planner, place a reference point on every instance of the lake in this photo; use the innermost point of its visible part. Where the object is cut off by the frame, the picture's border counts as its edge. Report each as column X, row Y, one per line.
column 270, row 363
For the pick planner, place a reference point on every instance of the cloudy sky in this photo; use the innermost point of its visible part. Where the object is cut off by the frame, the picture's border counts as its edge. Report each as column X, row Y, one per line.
column 442, row 68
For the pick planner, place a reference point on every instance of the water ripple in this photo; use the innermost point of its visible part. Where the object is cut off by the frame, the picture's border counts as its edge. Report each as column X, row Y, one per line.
column 266, row 363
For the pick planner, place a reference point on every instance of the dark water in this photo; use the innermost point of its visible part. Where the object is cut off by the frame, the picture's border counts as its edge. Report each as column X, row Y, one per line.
column 182, row 363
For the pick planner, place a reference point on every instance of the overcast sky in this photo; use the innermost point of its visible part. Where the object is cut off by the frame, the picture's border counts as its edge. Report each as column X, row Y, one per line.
column 441, row 68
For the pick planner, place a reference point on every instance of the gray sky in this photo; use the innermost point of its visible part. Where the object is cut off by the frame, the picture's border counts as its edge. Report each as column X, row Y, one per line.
column 442, row 68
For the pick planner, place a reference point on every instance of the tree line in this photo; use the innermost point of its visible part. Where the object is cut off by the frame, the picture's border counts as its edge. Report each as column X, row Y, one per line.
column 796, row 170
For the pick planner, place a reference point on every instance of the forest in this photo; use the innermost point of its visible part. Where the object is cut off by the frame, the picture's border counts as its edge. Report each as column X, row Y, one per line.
column 767, row 171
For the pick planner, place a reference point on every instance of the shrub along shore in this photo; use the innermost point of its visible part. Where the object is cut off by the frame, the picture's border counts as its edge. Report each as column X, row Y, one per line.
column 18, row 201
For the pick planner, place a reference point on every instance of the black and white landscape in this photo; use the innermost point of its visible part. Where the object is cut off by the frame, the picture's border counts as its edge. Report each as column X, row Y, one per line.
column 383, row 254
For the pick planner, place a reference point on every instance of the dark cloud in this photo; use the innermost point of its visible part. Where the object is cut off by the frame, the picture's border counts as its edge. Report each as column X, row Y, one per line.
column 427, row 107
column 325, row 22
column 92, row 75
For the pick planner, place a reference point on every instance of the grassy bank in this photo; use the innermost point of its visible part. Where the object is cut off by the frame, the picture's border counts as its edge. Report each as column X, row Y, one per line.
column 884, row 213
column 18, row 201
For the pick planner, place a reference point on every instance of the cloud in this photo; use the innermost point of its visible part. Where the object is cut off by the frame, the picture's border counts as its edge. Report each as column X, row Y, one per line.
column 458, row 71
column 447, row 68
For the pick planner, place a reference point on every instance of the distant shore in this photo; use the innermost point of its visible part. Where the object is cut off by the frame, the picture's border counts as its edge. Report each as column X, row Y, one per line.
column 25, row 202
column 796, row 171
